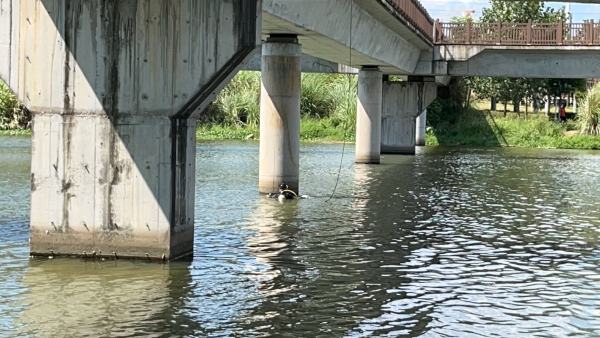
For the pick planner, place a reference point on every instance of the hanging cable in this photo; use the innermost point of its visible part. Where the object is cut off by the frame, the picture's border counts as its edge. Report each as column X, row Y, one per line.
column 348, row 104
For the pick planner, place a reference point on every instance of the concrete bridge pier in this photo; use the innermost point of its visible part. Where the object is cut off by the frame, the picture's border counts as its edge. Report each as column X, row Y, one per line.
column 368, row 115
column 280, row 113
column 421, row 128
column 402, row 103
column 115, row 88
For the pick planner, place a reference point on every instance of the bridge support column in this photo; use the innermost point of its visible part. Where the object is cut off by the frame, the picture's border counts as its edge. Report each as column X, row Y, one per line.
column 368, row 115
column 421, row 128
column 120, row 187
column 280, row 113
column 114, row 88
column 402, row 103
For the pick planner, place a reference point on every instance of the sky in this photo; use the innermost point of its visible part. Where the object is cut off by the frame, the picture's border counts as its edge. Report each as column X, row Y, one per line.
column 446, row 9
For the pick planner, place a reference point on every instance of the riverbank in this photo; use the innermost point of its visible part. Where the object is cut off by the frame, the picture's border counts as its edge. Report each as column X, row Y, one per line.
column 480, row 128
column 311, row 130
column 473, row 128
column 15, row 132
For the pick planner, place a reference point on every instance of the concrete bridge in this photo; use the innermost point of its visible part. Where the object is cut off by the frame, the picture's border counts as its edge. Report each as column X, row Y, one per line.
column 116, row 86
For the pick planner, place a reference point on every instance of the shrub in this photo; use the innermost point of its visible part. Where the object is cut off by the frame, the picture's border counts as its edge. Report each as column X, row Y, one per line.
column 589, row 114
column 331, row 96
column 12, row 114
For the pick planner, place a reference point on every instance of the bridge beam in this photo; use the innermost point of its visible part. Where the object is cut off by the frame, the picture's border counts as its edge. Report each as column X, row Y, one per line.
column 115, row 88
column 368, row 115
column 570, row 62
column 402, row 103
column 280, row 113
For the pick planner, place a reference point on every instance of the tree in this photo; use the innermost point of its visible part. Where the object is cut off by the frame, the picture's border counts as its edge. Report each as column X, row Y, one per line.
column 515, row 89
column 521, row 11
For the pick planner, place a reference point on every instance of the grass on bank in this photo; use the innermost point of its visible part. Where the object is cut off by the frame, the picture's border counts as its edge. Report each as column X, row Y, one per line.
column 328, row 106
column 486, row 105
column 15, row 132
column 311, row 130
column 478, row 128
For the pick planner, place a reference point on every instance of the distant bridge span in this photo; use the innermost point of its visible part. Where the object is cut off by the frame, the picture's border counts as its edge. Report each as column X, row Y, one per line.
column 535, row 50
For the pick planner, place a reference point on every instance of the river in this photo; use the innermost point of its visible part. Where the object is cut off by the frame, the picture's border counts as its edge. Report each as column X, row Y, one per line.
column 450, row 242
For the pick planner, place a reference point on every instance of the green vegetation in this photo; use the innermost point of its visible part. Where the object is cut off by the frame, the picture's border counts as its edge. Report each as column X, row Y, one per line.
column 477, row 128
column 517, row 90
column 589, row 116
column 327, row 106
column 311, row 130
column 14, row 119
column 15, row 132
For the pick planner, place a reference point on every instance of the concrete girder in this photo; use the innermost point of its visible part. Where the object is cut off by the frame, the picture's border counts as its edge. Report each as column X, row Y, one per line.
column 517, row 61
column 335, row 29
column 308, row 64
column 530, row 64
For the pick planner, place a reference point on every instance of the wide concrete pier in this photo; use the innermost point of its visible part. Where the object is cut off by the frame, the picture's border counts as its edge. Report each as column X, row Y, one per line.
column 280, row 113
column 368, row 115
column 402, row 103
column 115, row 88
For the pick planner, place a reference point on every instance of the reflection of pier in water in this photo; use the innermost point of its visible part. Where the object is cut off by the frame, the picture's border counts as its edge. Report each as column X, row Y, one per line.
column 321, row 275
column 97, row 299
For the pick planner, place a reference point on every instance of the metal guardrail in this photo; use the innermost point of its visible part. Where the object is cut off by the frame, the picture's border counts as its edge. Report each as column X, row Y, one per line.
column 522, row 34
column 415, row 14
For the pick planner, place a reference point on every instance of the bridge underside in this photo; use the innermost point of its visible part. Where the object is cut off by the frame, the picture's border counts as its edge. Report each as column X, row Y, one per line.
column 346, row 32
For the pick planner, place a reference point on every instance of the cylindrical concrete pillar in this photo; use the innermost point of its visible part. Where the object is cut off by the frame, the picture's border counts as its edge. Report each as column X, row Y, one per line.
column 421, row 128
column 279, row 113
column 368, row 115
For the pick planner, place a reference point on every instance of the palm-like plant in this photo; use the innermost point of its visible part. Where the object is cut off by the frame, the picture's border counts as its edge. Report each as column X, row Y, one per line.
column 589, row 115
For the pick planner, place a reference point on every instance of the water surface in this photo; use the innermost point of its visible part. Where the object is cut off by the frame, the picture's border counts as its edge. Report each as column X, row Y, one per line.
column 457, row 243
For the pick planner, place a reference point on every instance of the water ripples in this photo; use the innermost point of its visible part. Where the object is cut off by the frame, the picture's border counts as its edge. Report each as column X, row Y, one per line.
column 499, row 242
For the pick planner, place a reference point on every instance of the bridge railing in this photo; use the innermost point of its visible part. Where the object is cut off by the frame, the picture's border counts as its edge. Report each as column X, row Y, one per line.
column 415, row 14
column 535, row 34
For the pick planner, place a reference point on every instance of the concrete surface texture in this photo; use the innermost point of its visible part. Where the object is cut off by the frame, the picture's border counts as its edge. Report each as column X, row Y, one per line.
column 421, row 128
column 308, row 64
column 402, row 103
column 340, row 30
column 517, row 61
column 280, row 114
column 114, row 88
column 368, row 115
